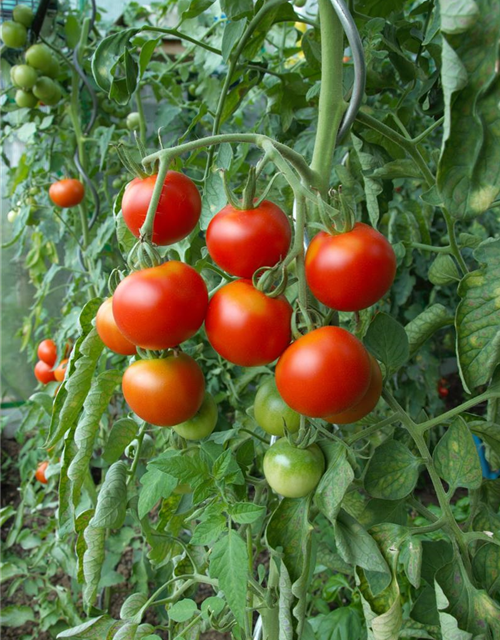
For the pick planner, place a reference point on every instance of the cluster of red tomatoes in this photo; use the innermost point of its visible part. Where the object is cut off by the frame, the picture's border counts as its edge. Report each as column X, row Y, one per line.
column 45, row 371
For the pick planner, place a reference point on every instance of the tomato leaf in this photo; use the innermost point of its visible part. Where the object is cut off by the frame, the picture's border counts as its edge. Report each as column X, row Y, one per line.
column 456, row 459
column 112, row 499
column 155, row 485
column 421, row 328
column 334, row 482
column 392, row 472
column 388, row 341
column 121, row 435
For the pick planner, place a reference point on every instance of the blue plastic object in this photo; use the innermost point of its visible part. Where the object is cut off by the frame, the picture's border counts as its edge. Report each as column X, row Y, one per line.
column 488, row 473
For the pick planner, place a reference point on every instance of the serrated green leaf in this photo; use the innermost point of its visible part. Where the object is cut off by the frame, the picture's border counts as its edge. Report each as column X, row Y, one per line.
column 388, row 341
column 421, row 328
column 392, row 472
column 456, row 459
column 112, row 499
column 16, row 615
column 155, row 485
column 94, row 406
column 94, row 628
column 132, row 605
column 81, row 523
column 443, row 270
column 334, row 482
column 486, row 566
column 246, row 512
column 405, row 168
column 478, row 318
column 229, row 564
column 93, row 558
column 209, row 530
column 232, row 34
column 372, row 187
column 121, row 435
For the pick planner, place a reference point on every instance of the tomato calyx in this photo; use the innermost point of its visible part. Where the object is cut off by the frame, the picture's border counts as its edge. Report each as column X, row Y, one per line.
column 143, row 255
column 272, row 281
column 305, row 320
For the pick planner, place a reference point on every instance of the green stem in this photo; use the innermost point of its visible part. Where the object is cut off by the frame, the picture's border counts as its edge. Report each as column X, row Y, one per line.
column 450, row 225
column 331, row 100
column 421, row 509
column 440, row 522
column 468, row 404
column 140, row 438
column 429, row 130
column 372, row 429
column 429, row 247
column 142, row 119
column 253, row 24
column 146, row 231
column 418, row 438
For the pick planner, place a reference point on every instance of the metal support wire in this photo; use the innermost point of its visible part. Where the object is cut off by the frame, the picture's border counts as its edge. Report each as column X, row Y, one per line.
column 358, row 91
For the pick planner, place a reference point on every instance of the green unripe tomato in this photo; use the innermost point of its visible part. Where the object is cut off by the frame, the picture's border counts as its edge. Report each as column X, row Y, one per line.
column 147, row 448
column 25, row 99
column 12, row 215
column 293, row 472
column 202, row 423
column 55, row 98
column 133, row 121
column 300, row 3
column 39, row 57
column 24, row 76
column 45, row 89
column 271, row 411
column 107, row 106
column 117, row 183
column 23, row 14
column 14, row 34
column 192, row 89
column 54, row 69
column 34, row 191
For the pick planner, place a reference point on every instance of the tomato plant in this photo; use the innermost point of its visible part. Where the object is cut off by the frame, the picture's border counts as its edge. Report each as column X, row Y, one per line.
column 281, row 222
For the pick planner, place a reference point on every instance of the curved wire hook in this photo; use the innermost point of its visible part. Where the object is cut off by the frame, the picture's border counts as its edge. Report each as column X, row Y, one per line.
column 358, row 89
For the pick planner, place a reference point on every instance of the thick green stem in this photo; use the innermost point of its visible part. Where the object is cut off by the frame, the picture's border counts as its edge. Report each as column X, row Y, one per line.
column 450, row 225
column 451, row 524
column 373, row 429
column 137, row 456
column 146, row 231
column 468, row 404
column 331, row 100
column 142, row 119
column 431, row 248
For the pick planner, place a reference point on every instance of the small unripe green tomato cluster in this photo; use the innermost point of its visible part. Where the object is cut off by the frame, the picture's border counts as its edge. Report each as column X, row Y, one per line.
column 35, row 80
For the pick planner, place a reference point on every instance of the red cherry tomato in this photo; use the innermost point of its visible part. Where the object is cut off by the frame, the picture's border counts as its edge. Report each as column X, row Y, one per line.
column 350, row 271
column 109, row 332
column 60, row 370
column 367, row 403
column 177, row 213
column 242, row 241
column 47, row 352
column 324, row 372
column 164, row 392
column 159, row 308
column 247, row 327
column 40, row 472
column 43, row 372
column 67, row 193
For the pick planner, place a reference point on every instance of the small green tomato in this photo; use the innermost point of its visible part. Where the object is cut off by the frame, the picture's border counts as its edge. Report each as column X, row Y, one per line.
column 293, row 472
column 14, row 34
column 25, row 99
column 39, row 57
column 202, row 423
column 23, row 14
column 271, row 411
column 24, row 76
column 133, row 121
column 12, row 215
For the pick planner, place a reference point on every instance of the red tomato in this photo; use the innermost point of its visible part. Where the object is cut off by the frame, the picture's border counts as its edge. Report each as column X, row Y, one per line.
column 47, row 352
column 247, row 327
column 43, row 372
column 367, row 403
column 324, row 372
column 67, row 193
column 177, row 213
column 242, row 241
column 164, row 392
column 60, row 370
column 109, row 332
column 350, row 271
column 159, row 308
column 40, row 472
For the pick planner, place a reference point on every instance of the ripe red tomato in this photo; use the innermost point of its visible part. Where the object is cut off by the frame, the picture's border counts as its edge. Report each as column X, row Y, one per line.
column 60, row 370
column 159, row 308
column 247, row 327
column 367, row 403
column 67, row 193
column 47, row 352
column 350, row 271
column 43, row 372
column 164, row 392
column 40, row 472
column 177, row 213
column 109, row 332
column 324, row 372
column 242, row 241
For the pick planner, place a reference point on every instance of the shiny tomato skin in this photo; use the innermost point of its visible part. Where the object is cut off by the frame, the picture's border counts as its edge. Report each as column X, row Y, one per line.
column 350, row 271
column 177, row 213
column 202, row 423
column 67, row 193
column 293, row 472
column 241, row 241
column 324, row 372
column 47, row 352
column 109, row 333
column 271, row 412
column 40, row 472
column 367, row 403
column 160, row 307
column 164, row 392
column 245, row 326
column 60, row 370
column 43, row 372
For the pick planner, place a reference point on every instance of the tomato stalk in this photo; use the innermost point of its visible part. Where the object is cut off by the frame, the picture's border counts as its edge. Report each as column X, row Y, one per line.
column 140, row 111
column 146, row 231
column 331, row 101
